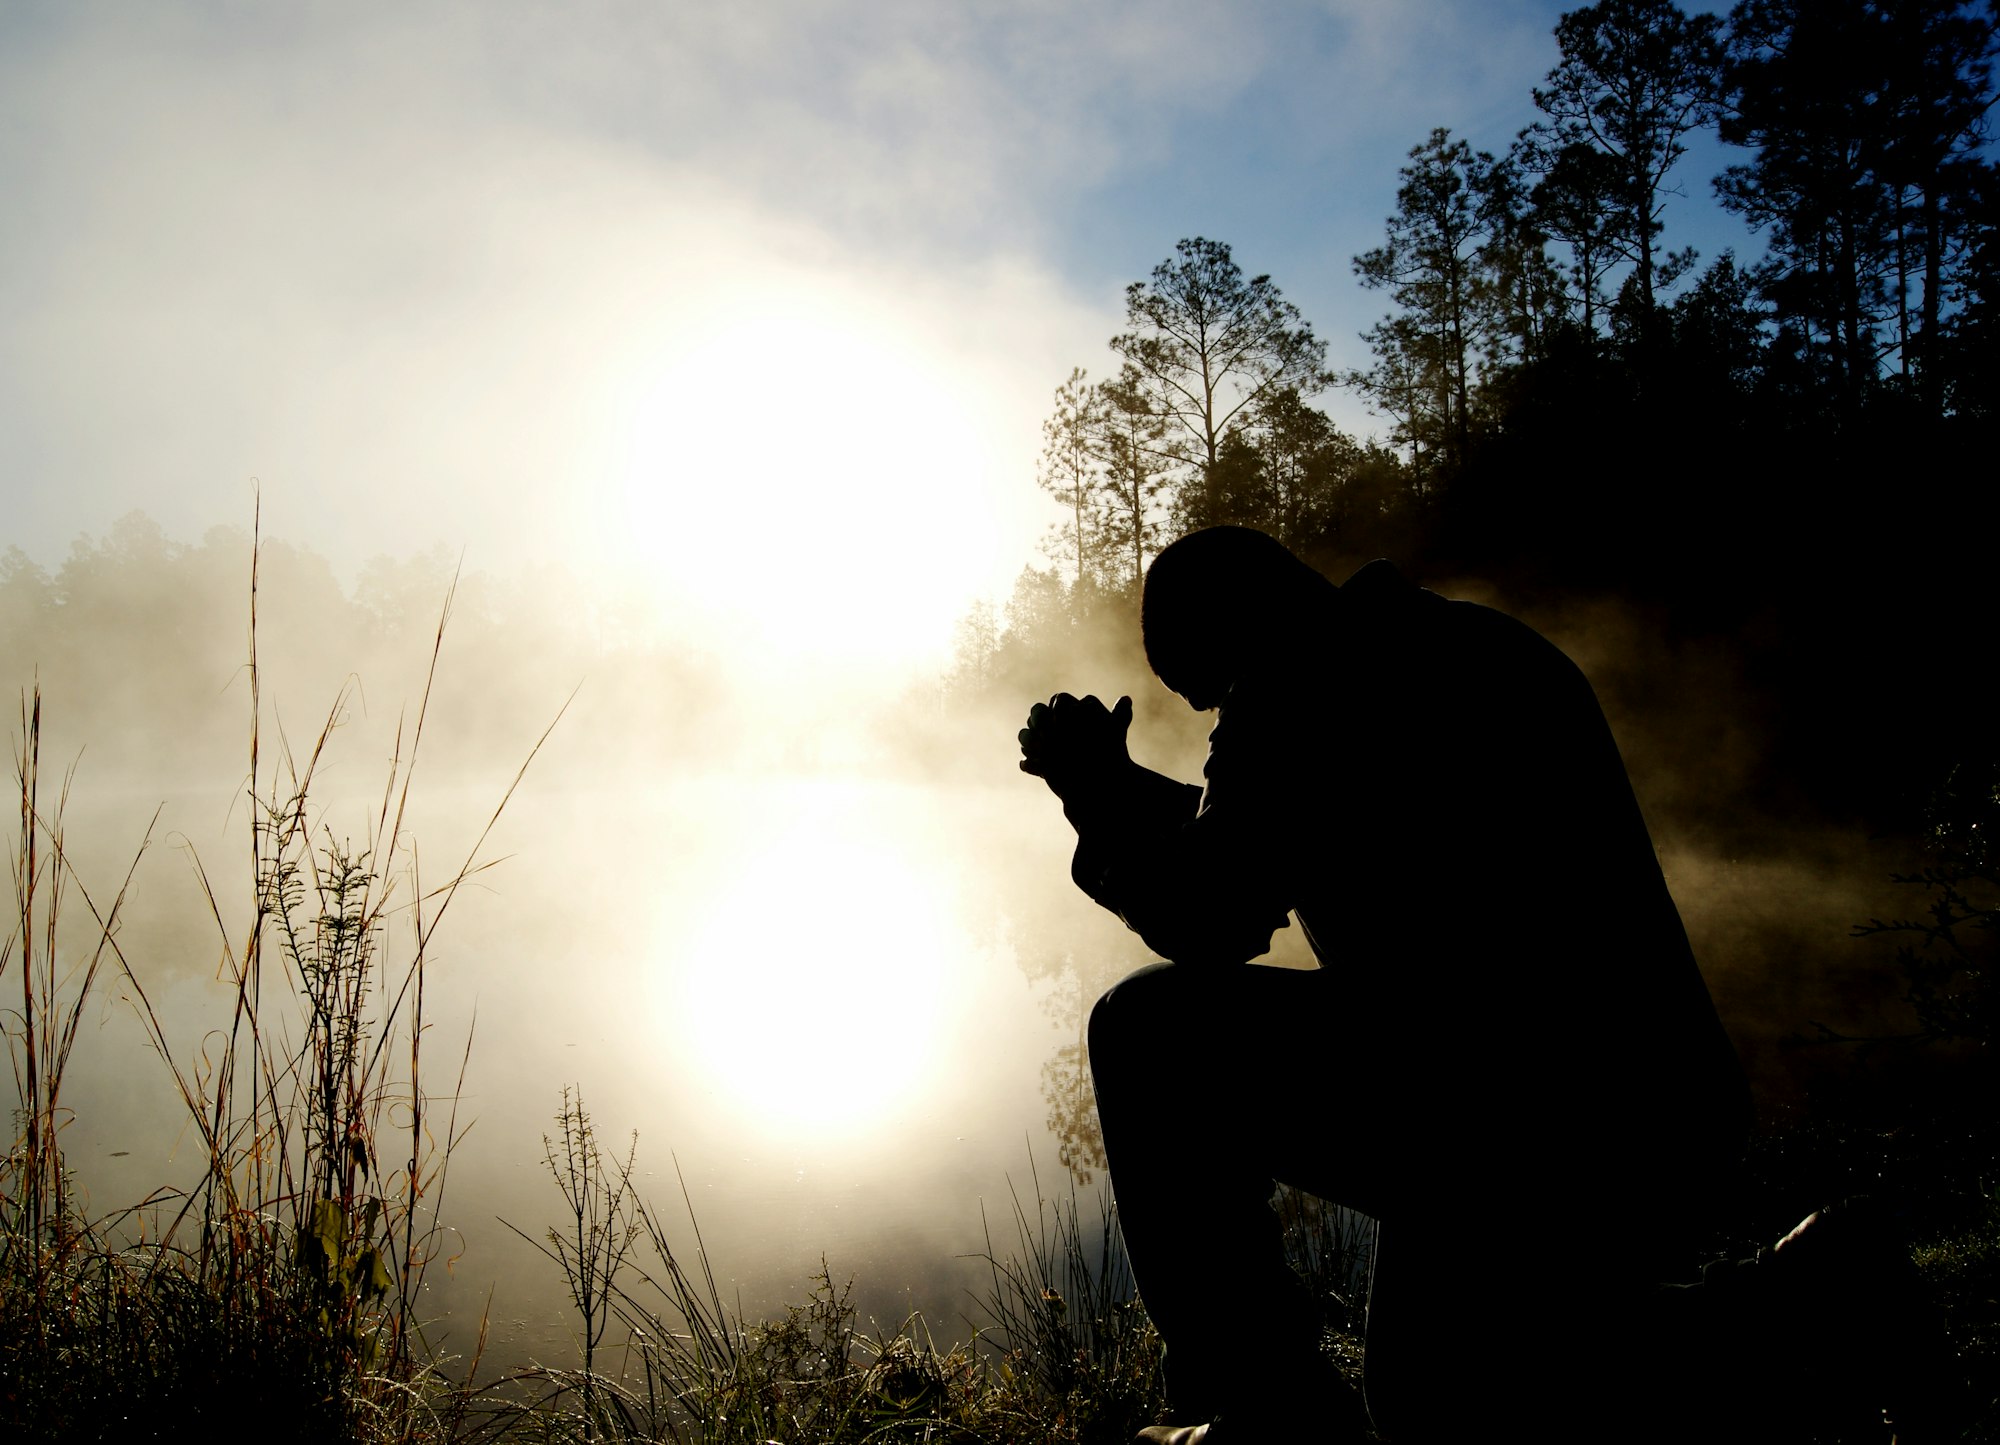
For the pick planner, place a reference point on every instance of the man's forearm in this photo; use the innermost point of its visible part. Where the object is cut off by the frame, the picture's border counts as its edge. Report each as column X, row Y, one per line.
column 1123, row 816
column 1197, row 891
column 1130, row 799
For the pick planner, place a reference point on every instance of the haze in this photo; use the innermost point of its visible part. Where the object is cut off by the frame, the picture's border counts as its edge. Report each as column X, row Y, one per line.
column 667, row 294
column 715, row 342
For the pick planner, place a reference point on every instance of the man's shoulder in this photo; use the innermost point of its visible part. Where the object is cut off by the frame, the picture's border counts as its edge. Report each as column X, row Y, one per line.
column 1379, row 584
column 1413, row 632
column 1381, row 594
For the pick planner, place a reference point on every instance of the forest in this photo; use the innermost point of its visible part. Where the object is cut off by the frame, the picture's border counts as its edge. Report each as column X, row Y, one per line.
column 1753, row 497
column 1783, row 454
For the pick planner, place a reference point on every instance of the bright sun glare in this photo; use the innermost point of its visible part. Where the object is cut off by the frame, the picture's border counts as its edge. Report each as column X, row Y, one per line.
column 812, row 994
column 806, row 476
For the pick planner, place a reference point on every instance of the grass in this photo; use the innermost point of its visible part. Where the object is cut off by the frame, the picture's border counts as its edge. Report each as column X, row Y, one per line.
column 1062, row 1353
column 1937, row 1172
column 1962, row 1266
column 280, row 1290
column 283, row 1284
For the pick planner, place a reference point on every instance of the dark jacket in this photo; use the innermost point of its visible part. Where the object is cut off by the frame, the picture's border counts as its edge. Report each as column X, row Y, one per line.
column 1431, row 787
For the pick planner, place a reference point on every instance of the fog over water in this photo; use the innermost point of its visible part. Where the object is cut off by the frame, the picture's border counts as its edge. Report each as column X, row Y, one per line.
column 762, row 930
column 819, row 950
column 708, row 353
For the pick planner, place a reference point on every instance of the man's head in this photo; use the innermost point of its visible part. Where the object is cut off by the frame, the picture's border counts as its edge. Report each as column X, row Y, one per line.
column 1222, row 602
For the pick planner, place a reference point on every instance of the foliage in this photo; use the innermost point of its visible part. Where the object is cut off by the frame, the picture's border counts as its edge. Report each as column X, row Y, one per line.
column 148, row 629
column 1575, row 203
column 1529, row 357
column 1636, row 77
column 1960, row 1264
column 1932, row 1170
column 1431, row 265
column 281, row 1290
column 1949, row 957
column 1511, row 400
column 596, row 1241
column 1777, row 457
column 1068, row 1358
column 1963, row 364
column 1071, row 472
column 1866, row 120
column 1135, row 448
column 1561, row 430
column 1555, row 418
column 1076, row 1349
column 1333, row 1250
column 1207, row 347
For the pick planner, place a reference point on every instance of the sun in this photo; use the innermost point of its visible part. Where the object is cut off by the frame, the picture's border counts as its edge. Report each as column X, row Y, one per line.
column 805, row 476
column 812, row 995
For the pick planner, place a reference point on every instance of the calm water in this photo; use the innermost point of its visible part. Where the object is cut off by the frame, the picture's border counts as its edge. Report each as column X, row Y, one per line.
column 828, row 1002
column 833, row 1007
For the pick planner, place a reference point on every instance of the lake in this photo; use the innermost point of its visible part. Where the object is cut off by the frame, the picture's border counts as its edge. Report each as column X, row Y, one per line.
column 840, row 1011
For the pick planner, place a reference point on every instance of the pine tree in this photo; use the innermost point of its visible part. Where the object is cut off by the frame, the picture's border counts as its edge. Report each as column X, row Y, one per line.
column 1205, row 347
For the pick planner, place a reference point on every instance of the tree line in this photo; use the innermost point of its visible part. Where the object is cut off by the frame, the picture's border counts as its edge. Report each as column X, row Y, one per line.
column 1793, row 445
column 140, row 643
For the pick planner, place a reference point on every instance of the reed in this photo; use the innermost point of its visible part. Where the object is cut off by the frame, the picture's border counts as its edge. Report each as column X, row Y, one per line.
column 1062, row 1354
column 279, row 1292
column 282, row 1287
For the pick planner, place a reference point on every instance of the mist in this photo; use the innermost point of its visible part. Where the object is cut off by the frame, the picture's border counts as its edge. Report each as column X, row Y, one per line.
column 613, row 437
column 816, row 946
column 747, row 922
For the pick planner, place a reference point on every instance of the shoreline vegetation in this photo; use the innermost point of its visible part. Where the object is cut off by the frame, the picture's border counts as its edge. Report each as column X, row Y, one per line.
column 1743, row 495
column 284, row 1288
column 286, row 1284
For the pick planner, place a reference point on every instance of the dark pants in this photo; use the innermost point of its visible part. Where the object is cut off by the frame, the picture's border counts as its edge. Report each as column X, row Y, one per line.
column 1503, row 1261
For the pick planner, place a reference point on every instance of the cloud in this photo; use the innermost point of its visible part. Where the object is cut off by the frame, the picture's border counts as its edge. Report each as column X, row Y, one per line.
column 401, row 263
column 375, row 267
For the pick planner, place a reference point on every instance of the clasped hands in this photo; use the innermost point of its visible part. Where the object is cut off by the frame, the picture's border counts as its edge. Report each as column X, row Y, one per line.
column 1076, row 743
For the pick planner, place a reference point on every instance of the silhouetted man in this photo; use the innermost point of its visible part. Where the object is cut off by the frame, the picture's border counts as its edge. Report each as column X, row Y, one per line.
column 1507, row 1055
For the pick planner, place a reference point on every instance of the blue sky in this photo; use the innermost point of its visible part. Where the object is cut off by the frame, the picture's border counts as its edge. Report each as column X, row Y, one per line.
column 605, row 284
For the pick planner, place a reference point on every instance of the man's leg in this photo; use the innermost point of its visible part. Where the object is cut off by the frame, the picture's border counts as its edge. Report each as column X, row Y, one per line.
column 1501, row 1289
column 1821, row 1336
column 1211, row 1084
column 1484, row 1323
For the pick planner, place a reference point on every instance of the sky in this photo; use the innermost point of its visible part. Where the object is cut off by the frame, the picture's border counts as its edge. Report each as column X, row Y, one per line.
column 670, row 294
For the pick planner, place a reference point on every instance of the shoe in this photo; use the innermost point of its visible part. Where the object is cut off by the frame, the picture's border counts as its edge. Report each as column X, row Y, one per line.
column 1869, row 1332
column 1316, row 1407
column 1299, row 1430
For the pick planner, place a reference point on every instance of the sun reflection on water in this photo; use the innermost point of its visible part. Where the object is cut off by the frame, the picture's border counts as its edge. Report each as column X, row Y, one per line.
column 811, row 996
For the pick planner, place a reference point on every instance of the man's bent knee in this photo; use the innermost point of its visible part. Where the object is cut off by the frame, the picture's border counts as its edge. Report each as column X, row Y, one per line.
column 1139, row 1006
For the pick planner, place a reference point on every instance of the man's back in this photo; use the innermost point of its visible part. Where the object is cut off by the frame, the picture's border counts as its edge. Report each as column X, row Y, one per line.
column 1507, row 1054
column 1480, row 863
column 1432, row 788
